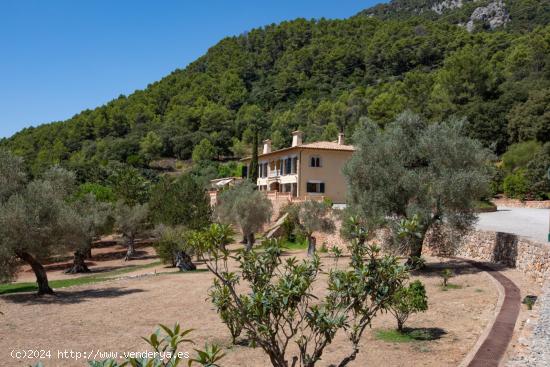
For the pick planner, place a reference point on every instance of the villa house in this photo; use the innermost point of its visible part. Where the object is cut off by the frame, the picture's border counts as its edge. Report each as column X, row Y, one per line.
column 304, row 170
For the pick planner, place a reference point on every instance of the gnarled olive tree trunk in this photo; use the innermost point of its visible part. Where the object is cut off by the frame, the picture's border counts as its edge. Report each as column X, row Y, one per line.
column 416, row 244
column 39, row 272
column 250, row 239
column 79, row 265
column 311, row 244
column 184, row 261
column 130, row 243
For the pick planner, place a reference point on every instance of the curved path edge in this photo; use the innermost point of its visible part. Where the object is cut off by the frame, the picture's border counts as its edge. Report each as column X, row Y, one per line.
column 492, row 348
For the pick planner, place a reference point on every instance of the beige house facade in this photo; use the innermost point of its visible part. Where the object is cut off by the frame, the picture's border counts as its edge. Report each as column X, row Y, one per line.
column 304, row 171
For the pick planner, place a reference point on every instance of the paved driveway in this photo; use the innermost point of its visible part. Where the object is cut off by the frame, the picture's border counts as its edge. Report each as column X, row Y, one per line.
column 532, row 223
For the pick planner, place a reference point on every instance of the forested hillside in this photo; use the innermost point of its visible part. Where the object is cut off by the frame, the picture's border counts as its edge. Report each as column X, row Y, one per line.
column 323, row 76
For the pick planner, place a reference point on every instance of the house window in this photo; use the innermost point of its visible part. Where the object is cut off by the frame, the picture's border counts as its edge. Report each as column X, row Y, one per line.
column 264, row 171
column 315, row 187
column 315, row 162
column 294, row 165
column 288, row 166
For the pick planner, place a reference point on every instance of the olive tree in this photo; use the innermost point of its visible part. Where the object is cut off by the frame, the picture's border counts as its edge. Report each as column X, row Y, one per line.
column 245, row 207
column 174, row 247
column 94, row 218
column 180, row 201
column 179, row 207
column 12, row 174
column 36, row 221
column 412, row 168
column 131, row 221
column 311, row 216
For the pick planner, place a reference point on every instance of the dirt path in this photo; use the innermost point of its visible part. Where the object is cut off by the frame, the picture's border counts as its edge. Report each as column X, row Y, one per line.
column 494, row 347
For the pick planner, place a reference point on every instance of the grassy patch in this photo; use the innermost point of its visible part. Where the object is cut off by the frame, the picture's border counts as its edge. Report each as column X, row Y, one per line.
column 64, row 283
column 393, row 336
column 287, row 245
column 409, row 335
column 485, row 206
column 450, row 286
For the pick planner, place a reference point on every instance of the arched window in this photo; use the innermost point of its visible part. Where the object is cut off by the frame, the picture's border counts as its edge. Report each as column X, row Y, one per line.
column 315, row 161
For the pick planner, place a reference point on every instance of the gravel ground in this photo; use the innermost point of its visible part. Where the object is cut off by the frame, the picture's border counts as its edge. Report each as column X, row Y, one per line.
column 111, row 316
column 538, row 344
column 527, row 222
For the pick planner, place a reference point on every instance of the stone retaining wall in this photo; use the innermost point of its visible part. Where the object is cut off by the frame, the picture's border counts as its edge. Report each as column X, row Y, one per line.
column 530, row 257
column 514, row 203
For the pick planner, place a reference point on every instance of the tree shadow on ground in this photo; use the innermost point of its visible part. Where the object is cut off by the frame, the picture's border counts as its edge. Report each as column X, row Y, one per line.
column 458, row 266
column 119, row 255
column 425, row 334
column 68, row 296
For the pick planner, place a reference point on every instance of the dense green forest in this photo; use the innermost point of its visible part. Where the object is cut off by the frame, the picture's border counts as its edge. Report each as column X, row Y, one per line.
column 324, row 76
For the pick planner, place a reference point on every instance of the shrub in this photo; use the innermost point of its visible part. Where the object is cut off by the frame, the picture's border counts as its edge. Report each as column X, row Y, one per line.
column 221, row 298
column 537, row 174
column 516, row 185
column 169, row 244
column 288, row 229
column 276, row 308
column 408, row 300
column 336, row 252
column 446, row 274
column 328, row 202
column 519, row 155
column 204, row 151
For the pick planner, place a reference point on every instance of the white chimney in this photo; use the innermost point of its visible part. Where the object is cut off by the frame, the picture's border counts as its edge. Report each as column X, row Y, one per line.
column 267, row 146
column 340, row 138
column 297, row 138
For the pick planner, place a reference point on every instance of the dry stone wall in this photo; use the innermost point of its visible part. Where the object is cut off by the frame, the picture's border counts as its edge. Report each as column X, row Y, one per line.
column 530, row 257
column 514, row 203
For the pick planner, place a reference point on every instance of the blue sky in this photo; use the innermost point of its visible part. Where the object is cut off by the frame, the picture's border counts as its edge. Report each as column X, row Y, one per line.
column 60, row 57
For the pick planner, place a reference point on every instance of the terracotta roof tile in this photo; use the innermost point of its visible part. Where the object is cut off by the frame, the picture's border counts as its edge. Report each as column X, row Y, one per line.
column 326, row 145
column 330, row 145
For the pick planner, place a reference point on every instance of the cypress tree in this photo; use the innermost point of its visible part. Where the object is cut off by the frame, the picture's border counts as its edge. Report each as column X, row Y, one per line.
column 253, row 172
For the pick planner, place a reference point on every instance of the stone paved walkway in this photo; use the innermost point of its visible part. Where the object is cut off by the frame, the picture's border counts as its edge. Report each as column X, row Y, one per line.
column 538, row 344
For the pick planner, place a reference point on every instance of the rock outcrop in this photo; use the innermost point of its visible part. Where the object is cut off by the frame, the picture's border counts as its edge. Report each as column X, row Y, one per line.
column 492, row 15
column 439, row 8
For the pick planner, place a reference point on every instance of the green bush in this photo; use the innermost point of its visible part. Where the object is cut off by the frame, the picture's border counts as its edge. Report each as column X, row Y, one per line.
column 496, row 181
column 519, row 155
column 230, row 169
column 516, row 185
column 276, row 310
column 446, row 274
column 166, row 251
column 537, row 174
column 102, row 193
column 408, row 300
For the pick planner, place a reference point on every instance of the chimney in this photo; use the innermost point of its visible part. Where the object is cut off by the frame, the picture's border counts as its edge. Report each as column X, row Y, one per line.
column 297, row 138
column 267, row 146
column 340, row 138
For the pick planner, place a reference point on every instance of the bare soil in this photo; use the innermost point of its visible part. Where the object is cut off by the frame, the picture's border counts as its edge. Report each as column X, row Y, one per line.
column 113, row 315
